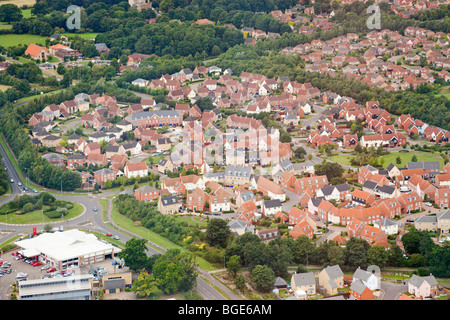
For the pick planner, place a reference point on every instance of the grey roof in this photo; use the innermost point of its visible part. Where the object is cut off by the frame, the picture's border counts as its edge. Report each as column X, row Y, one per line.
column 427, row 165
column 327, row 190
column 443, row 215
column 286, row 165
column 237, row 224
column 334, row 271
column 386, row 189
column 53, row 156
column 114, row 284
column 370, row 185
column 427, row 219
column 316, row 201
column 386, row 222
column 272, row 203
column 280, row 282
column 238, row 171
column 361, row 274
column 167, row 201
column 159, row 113
column 302, row 279
column 343, row 187
column 246, row 196
column 357, row 286
column 417, row 281
column 104, row 171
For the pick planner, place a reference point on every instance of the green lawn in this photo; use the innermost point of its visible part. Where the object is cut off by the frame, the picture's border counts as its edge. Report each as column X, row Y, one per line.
column 9, row 40
column 407, row 157
column 86, row 35
column 445, row 91
column 38, row 216
column 4, row 87
column 342, row 159
column 5, row 26
column 129, row 225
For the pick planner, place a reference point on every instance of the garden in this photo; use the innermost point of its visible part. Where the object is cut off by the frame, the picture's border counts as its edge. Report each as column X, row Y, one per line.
column 42, row 208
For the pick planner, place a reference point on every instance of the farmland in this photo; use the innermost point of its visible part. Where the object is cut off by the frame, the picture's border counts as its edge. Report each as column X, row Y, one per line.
column 9, row 40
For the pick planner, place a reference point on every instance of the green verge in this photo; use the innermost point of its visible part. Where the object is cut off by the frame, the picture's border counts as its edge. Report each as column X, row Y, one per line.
column 143, row 232
column 37, row 217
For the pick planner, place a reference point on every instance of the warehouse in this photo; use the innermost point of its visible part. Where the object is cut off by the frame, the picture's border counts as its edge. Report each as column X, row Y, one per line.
column 72, row 248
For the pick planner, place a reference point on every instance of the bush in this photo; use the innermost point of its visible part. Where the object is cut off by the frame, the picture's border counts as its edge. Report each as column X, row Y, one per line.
column 28, row 207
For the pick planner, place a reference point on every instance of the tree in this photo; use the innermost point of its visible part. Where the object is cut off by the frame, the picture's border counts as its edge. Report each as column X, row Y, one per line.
column 398, row 160
column 396, row 257
column 377, row 255
column 234, row 264
column 145, row 286
column 300, row 153
column 263, row 277
column 134, row 254
column 217, row 233
column 414, row 158
column 175, row 271
column 356, row 253
column 330, row 169
column 10, row 13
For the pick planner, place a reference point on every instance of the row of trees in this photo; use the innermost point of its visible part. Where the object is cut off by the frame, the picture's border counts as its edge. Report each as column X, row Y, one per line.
column 167, row 273
column 38, row 169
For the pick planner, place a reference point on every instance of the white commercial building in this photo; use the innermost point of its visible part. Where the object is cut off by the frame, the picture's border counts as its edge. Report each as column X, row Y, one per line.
column 76, row 287
column 72, row 248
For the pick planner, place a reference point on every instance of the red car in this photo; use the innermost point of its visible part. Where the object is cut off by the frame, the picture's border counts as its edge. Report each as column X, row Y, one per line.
column 36, row 263
column 109, row 234
column 53, row 269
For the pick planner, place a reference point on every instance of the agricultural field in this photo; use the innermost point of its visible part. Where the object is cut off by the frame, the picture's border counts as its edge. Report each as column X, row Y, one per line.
column 9, row 40
column 407, row 156
column 19, row 3
column 445, row 91
column 85, row 35
column 4, row 87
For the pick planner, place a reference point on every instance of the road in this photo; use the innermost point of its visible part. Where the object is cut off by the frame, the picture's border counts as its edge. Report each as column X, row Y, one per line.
column 92, row 220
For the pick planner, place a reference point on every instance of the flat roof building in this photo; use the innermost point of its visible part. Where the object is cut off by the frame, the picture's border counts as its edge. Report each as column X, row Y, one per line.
column 76, row 287
column 72, row 248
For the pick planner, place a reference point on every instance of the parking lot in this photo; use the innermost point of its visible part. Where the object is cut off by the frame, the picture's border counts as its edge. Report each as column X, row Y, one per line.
column 36, row 272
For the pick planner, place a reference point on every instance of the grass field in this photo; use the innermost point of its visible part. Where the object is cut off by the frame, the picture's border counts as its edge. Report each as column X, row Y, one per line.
column 36, row 217
column 4, row 87
column 4, row 26
column 9, row 40
column 86, row 35
column 445, row 91
column 407, row 156
column 390, row 158
column 342, row 159
column 19, row 3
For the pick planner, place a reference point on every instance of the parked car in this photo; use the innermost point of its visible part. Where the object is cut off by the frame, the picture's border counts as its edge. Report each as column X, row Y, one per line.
column 116, row 237
column 409, row 220
column 36, row 263
column 95, row 209
column 109, row 234
column 428, row 204
column 45, row 267
column 52, row 269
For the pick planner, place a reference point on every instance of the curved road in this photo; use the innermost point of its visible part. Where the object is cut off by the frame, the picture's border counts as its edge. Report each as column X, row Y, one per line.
column 92, row 220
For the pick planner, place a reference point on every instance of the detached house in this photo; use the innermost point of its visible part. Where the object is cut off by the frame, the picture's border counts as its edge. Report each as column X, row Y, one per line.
column 331, row 279
column 423, row 286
